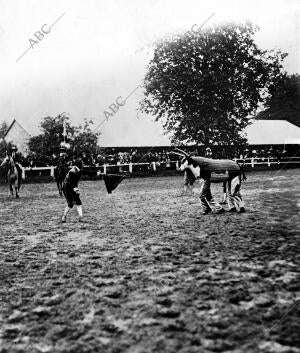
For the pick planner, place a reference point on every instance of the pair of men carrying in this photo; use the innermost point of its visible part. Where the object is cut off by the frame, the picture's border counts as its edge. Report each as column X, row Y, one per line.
column 231, row 190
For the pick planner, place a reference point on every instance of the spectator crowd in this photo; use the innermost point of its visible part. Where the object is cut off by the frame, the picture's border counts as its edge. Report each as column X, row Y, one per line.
column 159, row 156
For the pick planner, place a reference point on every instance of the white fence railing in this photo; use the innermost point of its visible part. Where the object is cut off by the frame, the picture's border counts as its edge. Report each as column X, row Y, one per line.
column 37, row 168
column 103, row 169
column 154, row 166
column 268, row 161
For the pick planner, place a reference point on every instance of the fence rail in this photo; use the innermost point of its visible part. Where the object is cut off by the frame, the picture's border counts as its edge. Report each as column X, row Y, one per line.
column 51, row 169
column 154, row 166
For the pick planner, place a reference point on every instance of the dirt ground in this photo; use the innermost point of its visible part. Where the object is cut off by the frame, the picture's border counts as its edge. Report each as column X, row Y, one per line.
column 145, row 272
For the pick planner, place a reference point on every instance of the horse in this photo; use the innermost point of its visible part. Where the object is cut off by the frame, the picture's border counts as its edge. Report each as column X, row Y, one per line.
column 13, row 176
column 60, row 173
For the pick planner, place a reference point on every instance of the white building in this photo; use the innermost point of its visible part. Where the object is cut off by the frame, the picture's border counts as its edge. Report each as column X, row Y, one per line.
column 273, row 132
column 18, row 136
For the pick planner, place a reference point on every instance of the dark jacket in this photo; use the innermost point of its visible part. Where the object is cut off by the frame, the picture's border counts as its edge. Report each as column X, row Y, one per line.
column 73, row 177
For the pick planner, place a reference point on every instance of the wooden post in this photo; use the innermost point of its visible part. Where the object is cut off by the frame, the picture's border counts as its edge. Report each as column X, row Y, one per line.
column 130, row 168
column 23, row 174
column 104, row 169
column 52, row 172
column 252, row 162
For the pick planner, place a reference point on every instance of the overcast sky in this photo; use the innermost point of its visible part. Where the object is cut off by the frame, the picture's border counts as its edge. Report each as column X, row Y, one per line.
column 98, row 50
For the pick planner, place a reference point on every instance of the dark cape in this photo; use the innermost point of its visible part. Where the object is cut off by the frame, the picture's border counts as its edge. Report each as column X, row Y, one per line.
column 112, row 181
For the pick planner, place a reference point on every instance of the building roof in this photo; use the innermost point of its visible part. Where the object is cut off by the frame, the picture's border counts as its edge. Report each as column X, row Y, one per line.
column 18, row 136
column 272, row 132
column 14, row 122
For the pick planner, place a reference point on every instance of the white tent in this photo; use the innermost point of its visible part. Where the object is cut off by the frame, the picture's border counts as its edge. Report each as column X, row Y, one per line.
column 272, row 132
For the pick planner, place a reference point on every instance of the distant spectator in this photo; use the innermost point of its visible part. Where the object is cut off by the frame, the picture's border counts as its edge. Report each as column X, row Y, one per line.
column 246, row 153
column 168, row 161
column 254, row 154
column 208, row 152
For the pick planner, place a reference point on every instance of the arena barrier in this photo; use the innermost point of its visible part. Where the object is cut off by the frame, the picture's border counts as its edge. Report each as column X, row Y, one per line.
column 156, row 166
column 284, row 161
column 38, row 171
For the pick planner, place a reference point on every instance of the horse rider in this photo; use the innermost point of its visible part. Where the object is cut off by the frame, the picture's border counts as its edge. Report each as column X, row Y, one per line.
column 15, row 157
column 62, row 158
column 71, row 191
column 61, row 170
column 13, row 171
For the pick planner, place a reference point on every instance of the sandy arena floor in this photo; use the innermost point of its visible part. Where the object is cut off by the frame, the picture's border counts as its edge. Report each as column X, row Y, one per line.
column 145, row 272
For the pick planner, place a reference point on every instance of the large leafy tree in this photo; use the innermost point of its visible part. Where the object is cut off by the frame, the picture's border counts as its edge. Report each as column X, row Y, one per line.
column 85, row 142
column 3, row 128
column 284, row 101
column 204, row 86
column 45, row 147
column 4, row 146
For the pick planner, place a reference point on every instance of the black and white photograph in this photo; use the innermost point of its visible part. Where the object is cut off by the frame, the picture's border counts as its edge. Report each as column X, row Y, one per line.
column 149, row 176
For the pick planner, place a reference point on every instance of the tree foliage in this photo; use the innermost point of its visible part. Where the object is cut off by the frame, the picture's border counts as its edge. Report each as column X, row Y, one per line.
column 284, row 101
column 85, row 141
column 4, row 146
column 205, row 85
column 45, row 148
column 3, row 128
